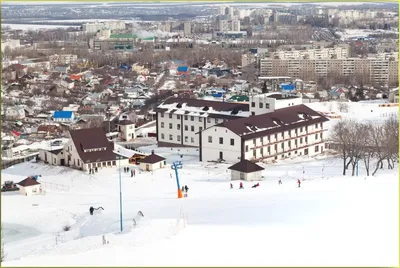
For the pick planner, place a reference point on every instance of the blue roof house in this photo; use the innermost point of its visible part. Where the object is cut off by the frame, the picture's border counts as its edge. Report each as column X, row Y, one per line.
column 63, row 116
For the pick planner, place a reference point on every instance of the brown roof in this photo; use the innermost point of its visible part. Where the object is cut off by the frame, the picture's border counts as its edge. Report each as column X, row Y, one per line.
column 152, row 159
column 92, row 138
column 125, row 122
column 205, row 105
column 278, row 121
column 28, row 182
column 246, row 166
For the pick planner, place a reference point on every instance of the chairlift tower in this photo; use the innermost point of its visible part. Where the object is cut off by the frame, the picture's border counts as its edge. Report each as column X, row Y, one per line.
column 175, row 166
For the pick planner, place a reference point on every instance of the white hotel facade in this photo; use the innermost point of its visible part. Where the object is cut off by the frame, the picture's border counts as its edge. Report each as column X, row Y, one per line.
column 270, row 127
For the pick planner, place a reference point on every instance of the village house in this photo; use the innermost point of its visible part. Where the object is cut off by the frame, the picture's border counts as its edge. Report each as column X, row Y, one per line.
column 52, row 157
column 126, row 129
column 152, row 162
column 63, row 116
column 89, row 148
column 246, row 170
column 287, row 132
column 44, row 131
column 178, row 120
column 15, row 113
column 29, row 187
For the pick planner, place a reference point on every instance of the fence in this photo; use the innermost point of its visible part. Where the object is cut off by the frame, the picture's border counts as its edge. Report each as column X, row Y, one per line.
column 55, row 186
column 8, row 163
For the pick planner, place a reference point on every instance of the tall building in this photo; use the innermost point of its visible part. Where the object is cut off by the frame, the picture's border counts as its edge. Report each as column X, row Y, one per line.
column 235, row 25
column 187, row 28
column 223, row 25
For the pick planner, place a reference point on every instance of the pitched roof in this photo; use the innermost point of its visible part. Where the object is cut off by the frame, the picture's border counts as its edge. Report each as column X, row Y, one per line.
column 28, row 182
column 278, row 121
column 62, row 114
column 246, row 166
column 92, row 138
column 152, row 159
column 183, row 69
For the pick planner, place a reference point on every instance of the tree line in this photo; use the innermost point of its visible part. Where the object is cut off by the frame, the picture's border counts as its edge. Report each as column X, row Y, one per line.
column 372, row 143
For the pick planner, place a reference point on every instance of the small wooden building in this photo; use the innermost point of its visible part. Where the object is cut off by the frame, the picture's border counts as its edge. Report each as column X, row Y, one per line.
column 246, row 170
column 29, row 186
column 152, row 162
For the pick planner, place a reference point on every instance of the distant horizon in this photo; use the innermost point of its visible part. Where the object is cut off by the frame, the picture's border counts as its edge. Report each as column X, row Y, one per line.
column 9, row 2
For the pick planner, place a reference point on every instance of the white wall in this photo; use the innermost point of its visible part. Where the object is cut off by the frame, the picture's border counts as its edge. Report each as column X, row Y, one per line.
column 51, row 159
column 211, row 150
column 253, row 176
column 152, row 167
column 270, row 104
column 189, row 137
column 30, row 190
column 127, row 132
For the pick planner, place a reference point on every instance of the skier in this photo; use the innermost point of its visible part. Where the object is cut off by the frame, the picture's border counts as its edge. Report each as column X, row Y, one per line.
column 280, row 181
column 255, row 185
column 231, row 186
column 91, row 209
column 131, row 173
column 298, row 182
column 241, row 185
column 127, row 169
column 183, row 189
column 186, row 188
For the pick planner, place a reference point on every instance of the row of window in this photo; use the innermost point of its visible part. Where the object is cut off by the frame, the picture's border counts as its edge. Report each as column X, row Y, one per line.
column 178, row 138
column 221, row 140
column 282, row 135
column 186, row 117
column 178, row 127
column 316, row 150
column 260, row 105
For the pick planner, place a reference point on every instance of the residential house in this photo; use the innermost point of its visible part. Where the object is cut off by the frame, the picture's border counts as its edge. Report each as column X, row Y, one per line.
column 63, row 116
column 89, row 148
column 67, row 83
column 44, row 131
column 183, row 71
column 29, row 187
column 287, row 132
column 15, row 113
column 52, row 157
column 179, row 120
column 126, row 129
column 246, row 170
column 394, row 95
column 152, row 162
column 338, row 93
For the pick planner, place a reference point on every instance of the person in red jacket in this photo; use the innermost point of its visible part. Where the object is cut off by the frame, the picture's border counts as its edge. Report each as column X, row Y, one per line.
column 298, row 182
column 241, row 185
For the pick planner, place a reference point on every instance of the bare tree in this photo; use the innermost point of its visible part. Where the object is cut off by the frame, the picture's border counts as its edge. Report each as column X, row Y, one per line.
column 339, row 138
column 343, row 107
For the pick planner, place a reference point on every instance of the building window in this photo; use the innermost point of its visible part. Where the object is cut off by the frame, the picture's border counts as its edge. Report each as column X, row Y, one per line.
column 253, row 113
column 316, row 148
column 162, row 124
column 247, row 148
column 192, row 118
column 301, row 129
column 261, row 105
column 162, row 136
column 208, row 120
column 170, row 115
column 186, row 139
column 320, row 135
column 253, row 104
column 316, row 126
column 320, row 125
column 232, row 142
column 262, row 140
column 255, row 153
column 301, row 140
column 221, row 140
column 192, row 140
column 282, row 145
column 283, row 135
column 316, row 136
column 186, row 117
column 254, row 141
column 192, row 128
column 210, row 139
column 262, row 151
column 200, row 119
column 178, row 116
column 178, row 138
column 170, row 137
column 162, row 115
column 276, row 137
column 170, row 125
column 276, row 147
column 186, row 128
column 178, row 126
column 305, row 139
column 267, row 105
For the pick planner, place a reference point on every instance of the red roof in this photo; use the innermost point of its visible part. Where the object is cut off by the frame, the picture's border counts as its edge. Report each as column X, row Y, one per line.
column 28, row 182
column 15, row 133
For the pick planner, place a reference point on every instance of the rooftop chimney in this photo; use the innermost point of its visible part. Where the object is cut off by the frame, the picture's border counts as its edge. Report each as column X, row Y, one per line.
column 152, row 151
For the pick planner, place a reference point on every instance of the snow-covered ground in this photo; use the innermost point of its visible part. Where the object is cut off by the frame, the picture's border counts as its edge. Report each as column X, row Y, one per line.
column 330, row 220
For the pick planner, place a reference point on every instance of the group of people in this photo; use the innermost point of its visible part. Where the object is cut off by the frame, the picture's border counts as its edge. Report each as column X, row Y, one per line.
column 258, row 184
column 185, row 189
column 133, row 171
column 92, row 170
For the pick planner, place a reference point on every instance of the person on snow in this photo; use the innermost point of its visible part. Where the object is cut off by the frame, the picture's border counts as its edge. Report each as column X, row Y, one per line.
column 241, row 185
column 91, row 209
column 183, row 189
column 186, row 188
column 134, row 173
column 255, row 185
column 298, row 182
column 127, row 169
column 280, row 181
column 231, row 186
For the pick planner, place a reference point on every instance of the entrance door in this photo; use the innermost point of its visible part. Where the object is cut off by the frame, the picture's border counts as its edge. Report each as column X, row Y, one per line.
column 221, row 155
column 45, row 158
column 147, row 167
column 242, row 176
column 62, row 162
